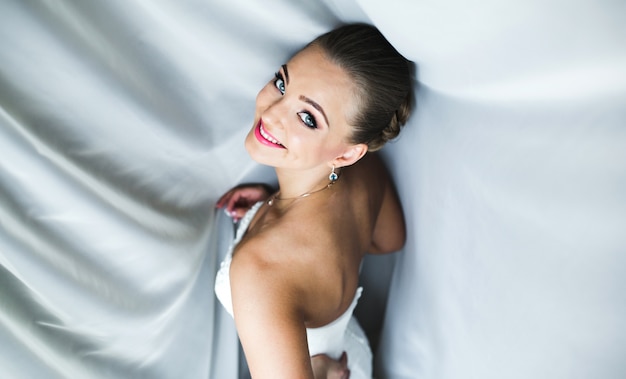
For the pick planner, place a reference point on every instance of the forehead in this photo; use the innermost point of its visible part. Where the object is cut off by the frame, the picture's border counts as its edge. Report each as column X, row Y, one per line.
column 313, row 75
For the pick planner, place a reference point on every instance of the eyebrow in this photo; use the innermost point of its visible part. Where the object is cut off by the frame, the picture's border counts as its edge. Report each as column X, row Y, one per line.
column 286, row 73
column 306, row 99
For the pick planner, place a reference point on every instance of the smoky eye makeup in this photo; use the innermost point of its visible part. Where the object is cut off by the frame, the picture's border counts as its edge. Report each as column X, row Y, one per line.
column 279, row 82
column 316, row 106
column 307, row 119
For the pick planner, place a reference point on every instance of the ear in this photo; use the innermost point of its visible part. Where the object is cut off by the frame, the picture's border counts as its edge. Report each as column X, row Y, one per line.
column 351, row 155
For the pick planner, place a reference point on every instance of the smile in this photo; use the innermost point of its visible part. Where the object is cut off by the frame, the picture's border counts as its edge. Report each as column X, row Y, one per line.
column 265, row 137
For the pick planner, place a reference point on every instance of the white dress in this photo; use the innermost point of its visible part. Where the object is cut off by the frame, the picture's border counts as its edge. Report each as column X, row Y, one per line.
column 342, row 334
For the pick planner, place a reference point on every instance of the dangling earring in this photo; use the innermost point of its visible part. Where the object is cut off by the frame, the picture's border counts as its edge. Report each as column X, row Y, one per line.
column 333, row 175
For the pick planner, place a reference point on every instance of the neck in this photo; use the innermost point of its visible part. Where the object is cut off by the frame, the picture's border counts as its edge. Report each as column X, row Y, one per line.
column 293, row 184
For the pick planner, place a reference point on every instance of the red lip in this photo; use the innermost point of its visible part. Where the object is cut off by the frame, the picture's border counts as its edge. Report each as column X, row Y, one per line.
column 262, row 139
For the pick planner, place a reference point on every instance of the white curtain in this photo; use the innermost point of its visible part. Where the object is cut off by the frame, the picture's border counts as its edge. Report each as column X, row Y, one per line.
column 121, row 123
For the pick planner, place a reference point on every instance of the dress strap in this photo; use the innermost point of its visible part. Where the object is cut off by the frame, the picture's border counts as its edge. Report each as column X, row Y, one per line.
column 245, row 221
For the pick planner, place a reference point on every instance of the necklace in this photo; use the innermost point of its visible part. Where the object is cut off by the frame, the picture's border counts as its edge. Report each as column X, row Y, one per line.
column 275, row 197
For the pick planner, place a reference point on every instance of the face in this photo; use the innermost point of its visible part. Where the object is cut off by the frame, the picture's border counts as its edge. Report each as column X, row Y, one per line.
column 301, row 118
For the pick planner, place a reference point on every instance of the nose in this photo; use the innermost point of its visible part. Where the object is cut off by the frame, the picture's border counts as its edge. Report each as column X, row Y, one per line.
column 274, row 114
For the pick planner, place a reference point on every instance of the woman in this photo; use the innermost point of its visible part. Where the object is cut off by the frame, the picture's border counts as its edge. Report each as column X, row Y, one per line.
column 291, row 278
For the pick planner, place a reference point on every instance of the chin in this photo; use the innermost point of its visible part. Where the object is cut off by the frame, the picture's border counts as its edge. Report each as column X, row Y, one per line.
column 254, row 150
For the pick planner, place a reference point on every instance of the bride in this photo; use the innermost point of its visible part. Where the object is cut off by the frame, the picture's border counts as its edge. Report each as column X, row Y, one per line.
column 291, row 277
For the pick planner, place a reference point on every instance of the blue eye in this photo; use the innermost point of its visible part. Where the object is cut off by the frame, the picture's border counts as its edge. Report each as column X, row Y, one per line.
column 308, row 120
column 279, row 83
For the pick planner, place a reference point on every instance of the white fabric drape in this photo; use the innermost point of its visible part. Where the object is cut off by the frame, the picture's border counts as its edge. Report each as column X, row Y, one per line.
column 121, row 122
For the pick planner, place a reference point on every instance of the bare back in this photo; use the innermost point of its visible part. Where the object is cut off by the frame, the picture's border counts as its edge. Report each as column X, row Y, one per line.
column 320, row 240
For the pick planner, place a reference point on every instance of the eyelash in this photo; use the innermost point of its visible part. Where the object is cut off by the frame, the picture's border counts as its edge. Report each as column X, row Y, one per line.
column 312, row 123
column 278, row 77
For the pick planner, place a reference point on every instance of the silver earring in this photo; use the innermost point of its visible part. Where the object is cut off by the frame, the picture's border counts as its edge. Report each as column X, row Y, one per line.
column 333, row 175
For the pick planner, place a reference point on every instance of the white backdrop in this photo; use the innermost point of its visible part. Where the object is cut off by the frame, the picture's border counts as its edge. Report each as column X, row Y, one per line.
column 121, row 123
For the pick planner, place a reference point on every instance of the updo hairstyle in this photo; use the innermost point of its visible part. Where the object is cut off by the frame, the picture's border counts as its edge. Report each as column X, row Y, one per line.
column 383, row 81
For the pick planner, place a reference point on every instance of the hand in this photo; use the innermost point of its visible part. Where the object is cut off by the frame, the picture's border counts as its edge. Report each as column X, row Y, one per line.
column 237, row 201
column 324, row 367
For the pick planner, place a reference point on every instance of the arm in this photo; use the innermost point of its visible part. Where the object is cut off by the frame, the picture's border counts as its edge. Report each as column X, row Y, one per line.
column 389, row 232
column 268, row 317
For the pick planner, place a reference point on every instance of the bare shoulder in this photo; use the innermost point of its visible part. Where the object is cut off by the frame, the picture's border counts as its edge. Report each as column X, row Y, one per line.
column 297, row 261
column 268, row 309
column 261, row 269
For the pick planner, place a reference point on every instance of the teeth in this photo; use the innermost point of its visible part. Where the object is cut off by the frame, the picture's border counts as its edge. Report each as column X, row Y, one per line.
column 267, row 136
